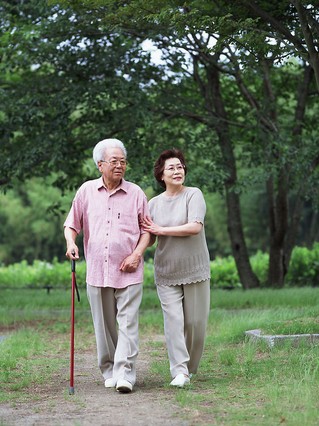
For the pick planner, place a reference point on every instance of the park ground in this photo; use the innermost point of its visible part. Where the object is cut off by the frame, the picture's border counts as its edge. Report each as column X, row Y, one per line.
column 150, row 403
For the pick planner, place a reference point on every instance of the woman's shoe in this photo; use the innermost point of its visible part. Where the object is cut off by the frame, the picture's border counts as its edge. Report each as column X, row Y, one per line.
column 124, row 386
column 180, row 381
column 109, row 383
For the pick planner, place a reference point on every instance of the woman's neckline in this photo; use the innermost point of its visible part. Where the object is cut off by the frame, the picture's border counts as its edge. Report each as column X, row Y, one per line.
column 176, row 194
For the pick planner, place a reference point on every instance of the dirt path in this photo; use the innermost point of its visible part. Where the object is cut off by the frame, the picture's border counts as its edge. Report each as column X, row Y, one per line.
column 151, row 402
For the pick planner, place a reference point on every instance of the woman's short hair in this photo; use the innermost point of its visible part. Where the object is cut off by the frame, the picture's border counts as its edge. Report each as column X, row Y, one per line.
column 102, row 146
column 160, row 163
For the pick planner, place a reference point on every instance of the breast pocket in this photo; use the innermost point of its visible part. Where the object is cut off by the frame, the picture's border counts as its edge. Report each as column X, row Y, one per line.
column 128, row 224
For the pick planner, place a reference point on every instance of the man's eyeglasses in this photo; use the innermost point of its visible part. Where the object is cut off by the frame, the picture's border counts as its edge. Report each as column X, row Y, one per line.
column 114, row 163
column 178, row 168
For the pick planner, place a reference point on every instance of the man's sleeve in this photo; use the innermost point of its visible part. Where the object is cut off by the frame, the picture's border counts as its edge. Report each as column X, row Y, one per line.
column 74, row 219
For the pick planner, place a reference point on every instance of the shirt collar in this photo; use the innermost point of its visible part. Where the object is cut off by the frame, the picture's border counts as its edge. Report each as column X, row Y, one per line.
column 123, row 185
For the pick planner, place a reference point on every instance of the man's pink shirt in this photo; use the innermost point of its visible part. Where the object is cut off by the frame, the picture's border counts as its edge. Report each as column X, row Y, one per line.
column 111, row 230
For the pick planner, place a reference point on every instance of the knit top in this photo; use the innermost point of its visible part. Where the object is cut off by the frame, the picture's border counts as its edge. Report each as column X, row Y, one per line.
column 180, row 260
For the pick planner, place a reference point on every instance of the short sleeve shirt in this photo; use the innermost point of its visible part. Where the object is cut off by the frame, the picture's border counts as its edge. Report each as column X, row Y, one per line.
column 110, row 222
column 180, row 260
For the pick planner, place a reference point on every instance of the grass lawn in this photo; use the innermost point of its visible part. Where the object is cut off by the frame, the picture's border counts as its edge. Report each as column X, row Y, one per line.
column 239, row 382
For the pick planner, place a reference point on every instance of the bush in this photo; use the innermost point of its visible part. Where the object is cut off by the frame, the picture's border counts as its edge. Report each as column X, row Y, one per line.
column 259, row 263
column 304, row 267
column 149, row 274
column 303, row 271
column 41, row 274
column 224, row 273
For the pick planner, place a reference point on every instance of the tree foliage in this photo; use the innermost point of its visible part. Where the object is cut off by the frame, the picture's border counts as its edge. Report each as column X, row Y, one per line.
column 32, row 222
column 246, row 43
column 235, row 88
column 63, row 88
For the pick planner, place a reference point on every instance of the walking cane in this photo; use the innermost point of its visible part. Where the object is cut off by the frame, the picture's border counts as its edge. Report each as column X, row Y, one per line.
column 74, row 288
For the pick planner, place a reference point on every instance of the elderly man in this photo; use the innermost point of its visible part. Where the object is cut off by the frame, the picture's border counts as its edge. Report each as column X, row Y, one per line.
column 109, row 211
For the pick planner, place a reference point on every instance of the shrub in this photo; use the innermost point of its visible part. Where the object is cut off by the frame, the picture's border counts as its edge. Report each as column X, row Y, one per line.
column 149, row 274
column 224, row 273
column 303, row 271
column 259, row 263
column 304, row 267
column 41, row 274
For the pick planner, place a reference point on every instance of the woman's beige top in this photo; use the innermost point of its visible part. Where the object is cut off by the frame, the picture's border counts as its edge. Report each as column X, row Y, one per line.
column 180, row 260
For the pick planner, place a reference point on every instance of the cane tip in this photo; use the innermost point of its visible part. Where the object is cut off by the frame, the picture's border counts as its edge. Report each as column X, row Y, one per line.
column 71, row 391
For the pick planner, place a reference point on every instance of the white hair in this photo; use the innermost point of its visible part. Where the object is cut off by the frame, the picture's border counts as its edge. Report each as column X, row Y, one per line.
column 102, row 146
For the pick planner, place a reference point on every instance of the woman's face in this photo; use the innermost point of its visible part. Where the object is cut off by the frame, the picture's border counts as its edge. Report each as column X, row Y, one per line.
column 173, row 173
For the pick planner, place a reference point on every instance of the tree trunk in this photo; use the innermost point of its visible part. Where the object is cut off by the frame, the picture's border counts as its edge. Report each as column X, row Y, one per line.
column 309, row 31
column 313, row 232
column 276, row 187
column 278, row 225
column 295, row 217
column 294, row 222
column 234, row 221
column 282, row 230
column 238, row 244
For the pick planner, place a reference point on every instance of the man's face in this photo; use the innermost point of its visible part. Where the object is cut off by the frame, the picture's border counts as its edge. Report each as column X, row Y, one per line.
column 113, row 166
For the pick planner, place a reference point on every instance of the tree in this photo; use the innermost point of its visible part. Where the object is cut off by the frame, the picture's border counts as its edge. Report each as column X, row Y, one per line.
column 63, row 87
column 224, row 39
column 217, row 92
column 295, row 23
column 32, row 224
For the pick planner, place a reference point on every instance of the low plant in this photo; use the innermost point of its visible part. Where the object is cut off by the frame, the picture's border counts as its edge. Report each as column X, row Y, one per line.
column 224, row 273
column 304, row 267
column 303, row 271
column 40, row 274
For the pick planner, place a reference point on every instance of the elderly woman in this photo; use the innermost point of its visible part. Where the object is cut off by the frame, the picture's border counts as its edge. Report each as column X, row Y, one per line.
column 182, row 267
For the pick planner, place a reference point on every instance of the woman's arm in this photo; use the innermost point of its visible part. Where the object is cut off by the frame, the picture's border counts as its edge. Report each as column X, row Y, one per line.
column 186, row 230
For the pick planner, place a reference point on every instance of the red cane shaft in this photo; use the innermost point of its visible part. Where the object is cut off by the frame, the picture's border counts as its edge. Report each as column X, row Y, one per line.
column 72, row 337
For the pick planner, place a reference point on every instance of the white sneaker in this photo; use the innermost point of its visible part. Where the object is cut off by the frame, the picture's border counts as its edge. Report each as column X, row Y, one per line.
column 109, row 383
column 124, row 386
column 180, row 381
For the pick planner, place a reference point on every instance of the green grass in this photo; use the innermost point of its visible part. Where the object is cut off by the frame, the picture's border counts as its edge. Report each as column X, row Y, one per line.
column 265, row 298
column 27, row 358
column 238, row 383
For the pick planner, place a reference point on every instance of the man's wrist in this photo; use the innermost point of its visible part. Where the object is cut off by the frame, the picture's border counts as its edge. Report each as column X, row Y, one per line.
column 138, row 254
